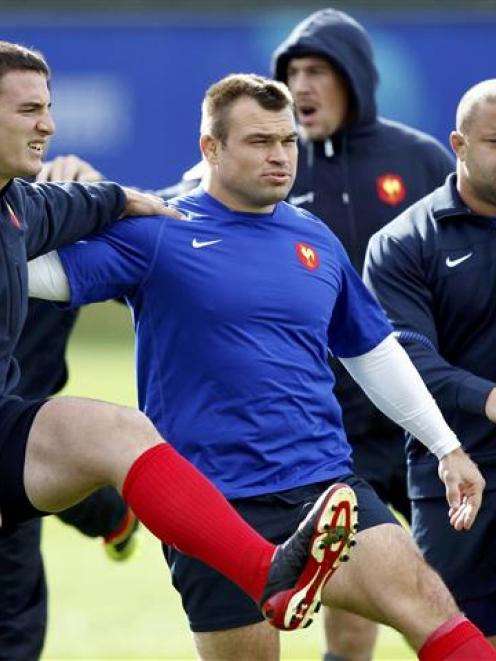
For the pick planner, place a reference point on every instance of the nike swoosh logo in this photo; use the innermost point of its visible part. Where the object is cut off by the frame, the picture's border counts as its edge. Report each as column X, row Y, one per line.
column 203, row 244
column 454, row 262
column 296, row 200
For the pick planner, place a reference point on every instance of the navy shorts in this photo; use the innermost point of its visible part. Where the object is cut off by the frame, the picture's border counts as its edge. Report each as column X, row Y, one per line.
column 380, row 459
column 466, row 560
column 16, row 419
column 212, row 602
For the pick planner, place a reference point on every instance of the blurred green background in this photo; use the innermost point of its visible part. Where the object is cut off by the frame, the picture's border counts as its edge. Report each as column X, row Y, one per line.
column 99, row 609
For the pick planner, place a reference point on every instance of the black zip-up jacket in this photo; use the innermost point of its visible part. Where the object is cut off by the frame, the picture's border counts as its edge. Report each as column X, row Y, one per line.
column 41, row 349
column 434, row 271
column 34, row 219
column 362, row 176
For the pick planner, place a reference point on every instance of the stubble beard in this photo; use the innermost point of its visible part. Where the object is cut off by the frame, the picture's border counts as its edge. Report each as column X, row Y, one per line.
column 486, row 191
column 266, row 196
column 273, row 196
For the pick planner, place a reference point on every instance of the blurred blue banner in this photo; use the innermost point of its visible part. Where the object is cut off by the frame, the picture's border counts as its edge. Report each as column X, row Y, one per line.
column 127, row 90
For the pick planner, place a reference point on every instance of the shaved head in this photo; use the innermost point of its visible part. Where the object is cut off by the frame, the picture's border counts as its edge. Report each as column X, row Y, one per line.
column 471, row 101
column 474, row 143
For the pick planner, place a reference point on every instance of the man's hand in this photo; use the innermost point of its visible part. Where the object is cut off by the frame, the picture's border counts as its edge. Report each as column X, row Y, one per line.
column 146, row 204
column 464, row 486
column 68, row 168
column 73, row 168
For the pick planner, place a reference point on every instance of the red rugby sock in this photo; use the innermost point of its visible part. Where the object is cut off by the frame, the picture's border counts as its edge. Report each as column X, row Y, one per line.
column 456, row 640
column 182, row 508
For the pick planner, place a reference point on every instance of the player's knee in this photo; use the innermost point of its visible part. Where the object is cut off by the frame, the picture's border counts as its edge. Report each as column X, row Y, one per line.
column 132, row 423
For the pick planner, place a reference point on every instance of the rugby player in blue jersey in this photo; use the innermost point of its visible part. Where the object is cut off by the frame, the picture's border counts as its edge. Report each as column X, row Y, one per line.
column 54, row 452
column 235, row 309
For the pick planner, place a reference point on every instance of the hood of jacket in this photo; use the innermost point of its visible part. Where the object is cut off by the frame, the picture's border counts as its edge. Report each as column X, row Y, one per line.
column 340, row 39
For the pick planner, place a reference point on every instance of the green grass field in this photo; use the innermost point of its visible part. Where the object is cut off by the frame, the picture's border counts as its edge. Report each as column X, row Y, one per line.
column 105, row 610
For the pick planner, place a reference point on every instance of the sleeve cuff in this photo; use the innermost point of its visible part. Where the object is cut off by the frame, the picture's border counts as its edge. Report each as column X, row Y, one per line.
column 472, row 394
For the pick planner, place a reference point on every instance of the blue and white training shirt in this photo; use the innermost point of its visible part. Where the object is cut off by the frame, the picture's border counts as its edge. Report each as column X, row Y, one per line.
column 234, row 313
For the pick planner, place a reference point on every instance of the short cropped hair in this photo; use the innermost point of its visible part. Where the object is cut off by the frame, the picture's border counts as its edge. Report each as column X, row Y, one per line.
column 483, row 92
column 219, row 98
column 14, row 57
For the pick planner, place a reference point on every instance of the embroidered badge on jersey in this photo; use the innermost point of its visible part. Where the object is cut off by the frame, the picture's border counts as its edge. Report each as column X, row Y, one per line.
column 391, row 189
column 13, row 218
column 307, row 256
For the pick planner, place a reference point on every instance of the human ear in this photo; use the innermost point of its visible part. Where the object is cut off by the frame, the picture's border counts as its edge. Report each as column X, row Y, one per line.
column 209, row 148
column 458, row 144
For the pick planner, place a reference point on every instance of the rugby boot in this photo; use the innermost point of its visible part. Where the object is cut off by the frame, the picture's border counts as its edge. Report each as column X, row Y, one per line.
column 302, row 565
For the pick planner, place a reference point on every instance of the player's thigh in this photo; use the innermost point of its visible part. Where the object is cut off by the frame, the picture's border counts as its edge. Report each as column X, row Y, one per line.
column 342, row 628
column 378, row 532
column 87, row 428
column 375, row 573
column 76, row 445
column 388, row 581
column 384, row 566
column 465, row 560
column 54, row 452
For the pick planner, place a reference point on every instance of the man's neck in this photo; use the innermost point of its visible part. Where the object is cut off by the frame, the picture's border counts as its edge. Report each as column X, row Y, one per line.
column 231, row 202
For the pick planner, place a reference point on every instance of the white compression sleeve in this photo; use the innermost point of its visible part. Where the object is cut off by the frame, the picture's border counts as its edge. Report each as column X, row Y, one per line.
column 47, row 278
column 391, row 381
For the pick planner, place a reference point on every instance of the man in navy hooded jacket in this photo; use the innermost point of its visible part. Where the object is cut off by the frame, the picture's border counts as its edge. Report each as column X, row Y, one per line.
column 356, row 171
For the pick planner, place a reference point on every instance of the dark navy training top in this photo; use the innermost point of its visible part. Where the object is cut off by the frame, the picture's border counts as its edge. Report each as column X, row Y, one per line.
column 434, row 270
column 34, row 219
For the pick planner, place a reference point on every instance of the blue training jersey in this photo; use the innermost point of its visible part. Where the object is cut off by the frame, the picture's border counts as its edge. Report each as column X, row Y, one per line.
column 234, row 314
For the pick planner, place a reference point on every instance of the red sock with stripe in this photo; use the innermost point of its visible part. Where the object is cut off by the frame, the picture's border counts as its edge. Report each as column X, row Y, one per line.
column 182, row 508
column 457, row 640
